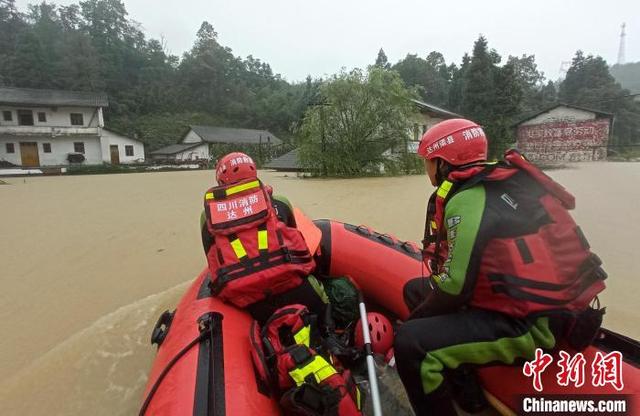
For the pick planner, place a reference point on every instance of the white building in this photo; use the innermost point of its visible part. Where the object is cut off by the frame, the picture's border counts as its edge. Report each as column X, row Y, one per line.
column 54, row 128
column 182, row 152
column 198, row 142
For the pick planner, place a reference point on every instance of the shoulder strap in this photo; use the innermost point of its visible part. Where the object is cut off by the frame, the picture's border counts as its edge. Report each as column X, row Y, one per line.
column 456, row 187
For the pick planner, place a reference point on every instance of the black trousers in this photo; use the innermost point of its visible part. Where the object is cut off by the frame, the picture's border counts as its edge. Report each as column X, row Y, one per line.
column 305, row 294
column 426, row 348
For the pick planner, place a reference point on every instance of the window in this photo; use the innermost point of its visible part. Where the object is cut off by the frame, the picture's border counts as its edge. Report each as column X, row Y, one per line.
column 77, row 119
column 42, row 117
column 128, row 150
column 46, row 147
column 78, row 147
column 7, row 115
column 25, row 117
column 11, row 148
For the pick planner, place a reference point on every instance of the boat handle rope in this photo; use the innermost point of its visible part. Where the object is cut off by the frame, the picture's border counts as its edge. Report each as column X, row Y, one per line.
column 204, row 334
column 363, row 229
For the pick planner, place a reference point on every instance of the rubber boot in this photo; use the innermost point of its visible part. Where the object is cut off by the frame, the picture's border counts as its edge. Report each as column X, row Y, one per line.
column 436, row 403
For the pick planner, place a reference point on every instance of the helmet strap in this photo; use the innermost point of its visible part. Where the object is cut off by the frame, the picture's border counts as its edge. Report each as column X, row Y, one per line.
column 442, row 170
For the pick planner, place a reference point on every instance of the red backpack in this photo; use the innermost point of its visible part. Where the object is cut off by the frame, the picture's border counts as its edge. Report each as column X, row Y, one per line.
column 306, row 382
column 253, row 255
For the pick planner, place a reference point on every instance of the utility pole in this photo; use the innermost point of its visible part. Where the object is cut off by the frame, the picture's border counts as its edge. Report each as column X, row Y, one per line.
column 621, row 58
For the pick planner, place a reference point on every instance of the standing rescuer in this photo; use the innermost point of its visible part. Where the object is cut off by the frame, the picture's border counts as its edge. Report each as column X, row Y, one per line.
column 510, row 271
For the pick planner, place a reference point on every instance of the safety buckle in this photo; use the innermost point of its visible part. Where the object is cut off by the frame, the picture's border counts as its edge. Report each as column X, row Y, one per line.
column 286, row 254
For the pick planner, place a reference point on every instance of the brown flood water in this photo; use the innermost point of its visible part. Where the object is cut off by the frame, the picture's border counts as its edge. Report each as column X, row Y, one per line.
column 87, row 263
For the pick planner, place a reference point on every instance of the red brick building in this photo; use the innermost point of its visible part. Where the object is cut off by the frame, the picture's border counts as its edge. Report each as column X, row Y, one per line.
column 565, row 133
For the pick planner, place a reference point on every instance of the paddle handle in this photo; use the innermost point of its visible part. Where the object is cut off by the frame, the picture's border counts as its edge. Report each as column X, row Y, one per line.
column 371, row 367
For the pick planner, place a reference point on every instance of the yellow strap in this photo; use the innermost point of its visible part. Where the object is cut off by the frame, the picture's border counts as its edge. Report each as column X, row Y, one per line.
column 303, row 336
column 263, row 240
column 444, row 189
column 243, row 187
column 319, row 367
column 238, row 248
column 434, row 225
column 208, row 195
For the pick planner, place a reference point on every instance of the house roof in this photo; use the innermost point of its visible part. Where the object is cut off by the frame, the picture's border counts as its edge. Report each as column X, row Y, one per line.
column 546, row 110
column 435, row 109
column 175, row 148
column 33, row 97
column 213, row 134
column 117, row 133
column 287, row 162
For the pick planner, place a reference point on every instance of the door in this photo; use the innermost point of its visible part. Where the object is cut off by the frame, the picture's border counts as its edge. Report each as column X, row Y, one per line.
column 115, row 155
column 29, row 154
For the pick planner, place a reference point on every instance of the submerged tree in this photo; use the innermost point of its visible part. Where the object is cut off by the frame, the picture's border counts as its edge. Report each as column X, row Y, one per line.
column 357, row 118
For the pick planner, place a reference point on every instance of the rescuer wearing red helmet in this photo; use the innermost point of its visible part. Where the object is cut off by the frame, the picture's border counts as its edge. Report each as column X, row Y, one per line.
column 507, row 262
column 260, row 256
column 237, row 167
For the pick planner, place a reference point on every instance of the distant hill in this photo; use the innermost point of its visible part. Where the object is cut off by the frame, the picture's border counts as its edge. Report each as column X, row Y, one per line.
column 628, row 75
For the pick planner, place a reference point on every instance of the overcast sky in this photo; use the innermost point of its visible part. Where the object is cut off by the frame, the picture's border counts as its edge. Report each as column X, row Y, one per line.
column 298, row 37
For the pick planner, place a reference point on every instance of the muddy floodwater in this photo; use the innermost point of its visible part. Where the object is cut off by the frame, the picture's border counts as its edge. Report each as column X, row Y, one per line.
column 87, row 263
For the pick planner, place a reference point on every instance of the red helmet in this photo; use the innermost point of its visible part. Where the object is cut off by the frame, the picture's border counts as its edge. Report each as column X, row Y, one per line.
column 458, row 141
column 235, row 167
column 380, row 331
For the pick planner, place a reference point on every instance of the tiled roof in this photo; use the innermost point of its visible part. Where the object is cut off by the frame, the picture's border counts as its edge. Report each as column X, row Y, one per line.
column 287, row 162
column 213, row 134
column 175, row 148
column 28, row 96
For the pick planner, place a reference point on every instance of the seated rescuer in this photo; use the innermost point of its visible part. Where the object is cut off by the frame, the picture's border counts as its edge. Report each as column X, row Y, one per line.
column 510, row 270
column 260, row 261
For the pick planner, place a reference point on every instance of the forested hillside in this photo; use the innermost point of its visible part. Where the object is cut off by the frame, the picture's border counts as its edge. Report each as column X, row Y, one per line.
column 95, row 46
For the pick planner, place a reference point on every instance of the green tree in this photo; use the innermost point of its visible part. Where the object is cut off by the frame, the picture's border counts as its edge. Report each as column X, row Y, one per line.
column 358, row 117
column 431, row 76
column 382, row 61
column 530, row 81
column 590, row 84
column 628, row 75
column 457, row 88
column 478, row 96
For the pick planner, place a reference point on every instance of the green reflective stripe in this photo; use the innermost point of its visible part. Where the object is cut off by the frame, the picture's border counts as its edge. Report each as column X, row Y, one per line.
column 208, row 195
column 263, row 240
column 238, row 248
column 243, row 187
column 319, row 367
column 468, row 206
column 317, row 286
column 303, row 336
column 505, row 350
column 444, row 189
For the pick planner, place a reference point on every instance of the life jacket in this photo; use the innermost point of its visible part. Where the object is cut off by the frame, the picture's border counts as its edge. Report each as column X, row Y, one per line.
column 285, row 358
column 548, row 269
column 252, row 255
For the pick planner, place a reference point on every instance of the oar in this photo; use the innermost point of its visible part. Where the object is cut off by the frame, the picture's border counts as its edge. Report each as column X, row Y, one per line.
column 371, row 367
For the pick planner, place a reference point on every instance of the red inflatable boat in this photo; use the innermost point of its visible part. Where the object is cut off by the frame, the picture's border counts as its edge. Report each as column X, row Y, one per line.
column 204, row 367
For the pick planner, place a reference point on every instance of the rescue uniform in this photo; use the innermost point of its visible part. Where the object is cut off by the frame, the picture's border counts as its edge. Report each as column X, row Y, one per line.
column 310, row 293
column 454, row 325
